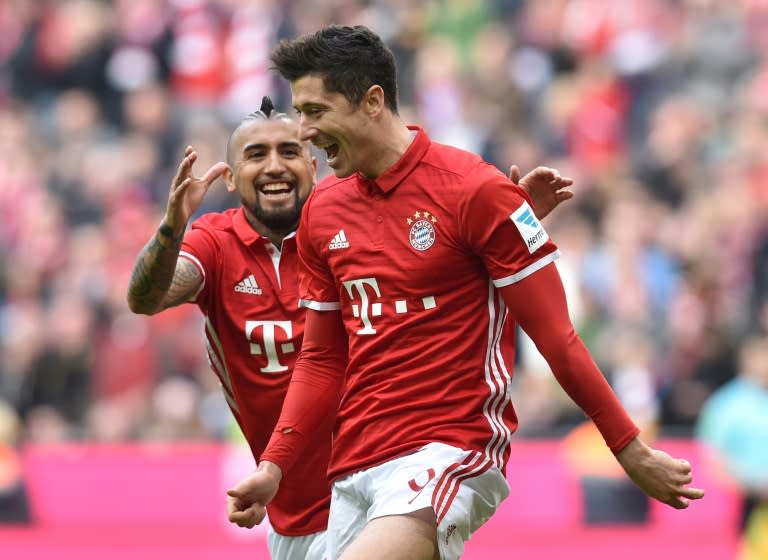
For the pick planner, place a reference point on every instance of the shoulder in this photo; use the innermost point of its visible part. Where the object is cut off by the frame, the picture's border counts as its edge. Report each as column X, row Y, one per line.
column 330, row 188
column 466, row 167
column 331, row 181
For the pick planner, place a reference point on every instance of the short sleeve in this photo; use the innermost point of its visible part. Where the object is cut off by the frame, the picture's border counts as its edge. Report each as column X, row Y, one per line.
column 200, row 248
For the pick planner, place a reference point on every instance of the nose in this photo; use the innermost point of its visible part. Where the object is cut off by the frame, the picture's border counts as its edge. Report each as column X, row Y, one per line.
column 274, row 163
column 306, row 132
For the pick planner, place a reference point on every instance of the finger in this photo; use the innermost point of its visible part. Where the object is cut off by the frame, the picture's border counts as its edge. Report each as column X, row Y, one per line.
column 562, row 182
column 248, row 518
column 514, row 174
column 180, row 188
column 216, row 171
column 235, row 493
column 684, row 465
column 678, row 503
column 233, row 505
column 243, row 518
column 184, row 168
column 181, row 171
column 692, row 493
column 188, row 150
column 685, row 478
column 562, row 196
column 258, row 515
column 240, row 493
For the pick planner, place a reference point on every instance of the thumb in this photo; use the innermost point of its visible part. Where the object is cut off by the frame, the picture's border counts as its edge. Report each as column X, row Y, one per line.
column 216, row 171
column 238, row 492
column 514, row 174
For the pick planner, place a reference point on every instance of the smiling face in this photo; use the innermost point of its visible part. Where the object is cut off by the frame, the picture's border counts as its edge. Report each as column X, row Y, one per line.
column 272, row 171
column 333, row 124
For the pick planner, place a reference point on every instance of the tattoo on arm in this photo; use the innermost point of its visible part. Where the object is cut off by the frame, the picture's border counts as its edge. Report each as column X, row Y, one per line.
column 159, row 279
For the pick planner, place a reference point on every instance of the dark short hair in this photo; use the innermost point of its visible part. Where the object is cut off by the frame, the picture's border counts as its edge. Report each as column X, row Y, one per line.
column 349, row 59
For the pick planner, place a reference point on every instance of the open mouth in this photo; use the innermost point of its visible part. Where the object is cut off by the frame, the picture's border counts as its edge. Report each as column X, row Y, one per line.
column 277, row 190
column 331, row 153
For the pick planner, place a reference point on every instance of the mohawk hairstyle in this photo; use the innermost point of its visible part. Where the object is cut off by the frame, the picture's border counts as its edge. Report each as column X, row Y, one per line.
column 266, row 112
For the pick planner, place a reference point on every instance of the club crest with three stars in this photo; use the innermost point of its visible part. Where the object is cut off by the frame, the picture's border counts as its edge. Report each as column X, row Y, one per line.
column 422, row 235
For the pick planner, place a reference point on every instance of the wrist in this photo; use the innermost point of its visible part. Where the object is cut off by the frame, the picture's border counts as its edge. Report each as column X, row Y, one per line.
column 167, row 231
column 636, row 451
column 271, row 469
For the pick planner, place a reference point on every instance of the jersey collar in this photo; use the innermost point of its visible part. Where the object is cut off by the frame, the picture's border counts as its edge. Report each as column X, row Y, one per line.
column 397, row 173
column 244, row 230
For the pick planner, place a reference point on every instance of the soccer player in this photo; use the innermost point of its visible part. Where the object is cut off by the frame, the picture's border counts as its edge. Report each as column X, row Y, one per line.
column 414, row 262
column 240, row 267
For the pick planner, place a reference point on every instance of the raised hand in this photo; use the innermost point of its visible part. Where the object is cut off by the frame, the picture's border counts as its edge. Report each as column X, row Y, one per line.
column 187, row 191
column 545, row 187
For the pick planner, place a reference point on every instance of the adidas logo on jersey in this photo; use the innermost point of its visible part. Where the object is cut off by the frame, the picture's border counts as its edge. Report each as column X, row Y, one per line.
column 248, row 286
column 339, row 241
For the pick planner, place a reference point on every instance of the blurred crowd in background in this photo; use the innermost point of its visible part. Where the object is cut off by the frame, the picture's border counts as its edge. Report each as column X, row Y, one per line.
column 657, row 108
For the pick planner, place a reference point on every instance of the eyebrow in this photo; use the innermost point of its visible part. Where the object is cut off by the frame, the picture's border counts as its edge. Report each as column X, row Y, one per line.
column 309, row 104
column 262, row 146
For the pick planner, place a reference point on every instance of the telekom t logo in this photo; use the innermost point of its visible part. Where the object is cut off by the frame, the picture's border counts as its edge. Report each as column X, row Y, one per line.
column 270, row 345
column 364, row 310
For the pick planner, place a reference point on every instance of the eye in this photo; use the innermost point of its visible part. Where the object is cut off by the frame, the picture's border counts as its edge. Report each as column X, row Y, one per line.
column 255, row 155
column 291, row 152
column 313, row 112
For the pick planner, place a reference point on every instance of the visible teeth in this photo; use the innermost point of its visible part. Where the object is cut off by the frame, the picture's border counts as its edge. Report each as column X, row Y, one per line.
column 275, row 187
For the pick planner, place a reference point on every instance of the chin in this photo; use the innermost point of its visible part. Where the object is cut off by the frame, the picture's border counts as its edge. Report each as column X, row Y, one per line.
column 343, row 172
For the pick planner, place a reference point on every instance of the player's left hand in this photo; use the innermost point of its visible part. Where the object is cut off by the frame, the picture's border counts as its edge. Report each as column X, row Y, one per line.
column 546, row 187
column 659, row 475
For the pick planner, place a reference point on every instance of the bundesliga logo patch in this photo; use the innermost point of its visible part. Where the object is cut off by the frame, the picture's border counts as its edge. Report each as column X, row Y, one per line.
column 529, row 227
column 422, row 234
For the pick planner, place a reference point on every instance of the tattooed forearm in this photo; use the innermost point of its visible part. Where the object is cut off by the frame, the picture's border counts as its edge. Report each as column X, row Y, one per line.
column 153, row 285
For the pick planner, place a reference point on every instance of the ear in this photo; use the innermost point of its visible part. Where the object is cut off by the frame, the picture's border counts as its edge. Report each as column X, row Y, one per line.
column 229, row 179
column 314, row 172
column 373, row 101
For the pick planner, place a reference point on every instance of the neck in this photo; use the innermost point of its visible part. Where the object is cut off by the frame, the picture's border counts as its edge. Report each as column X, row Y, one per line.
column 396, row 137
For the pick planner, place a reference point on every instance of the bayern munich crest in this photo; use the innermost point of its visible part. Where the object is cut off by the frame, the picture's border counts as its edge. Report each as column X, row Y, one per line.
column 422, row 235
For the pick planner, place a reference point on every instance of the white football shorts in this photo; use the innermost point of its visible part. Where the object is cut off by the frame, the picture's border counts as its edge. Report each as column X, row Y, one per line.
column 463, row 488
column 307, row 547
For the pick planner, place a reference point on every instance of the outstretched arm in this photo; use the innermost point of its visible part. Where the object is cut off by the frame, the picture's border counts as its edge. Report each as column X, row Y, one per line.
column 538, row 303
column 546, row 187
column 159, row 278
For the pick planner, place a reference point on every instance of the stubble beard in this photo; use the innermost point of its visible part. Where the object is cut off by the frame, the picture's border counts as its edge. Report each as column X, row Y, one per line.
column 280, row 220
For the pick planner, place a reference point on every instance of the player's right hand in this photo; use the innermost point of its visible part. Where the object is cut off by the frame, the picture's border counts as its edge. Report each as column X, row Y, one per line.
column 187, row 191
column 247, row 502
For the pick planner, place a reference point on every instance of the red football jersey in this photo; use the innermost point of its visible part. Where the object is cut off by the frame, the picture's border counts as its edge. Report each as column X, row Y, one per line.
column 413, row 259
column 254, row 329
